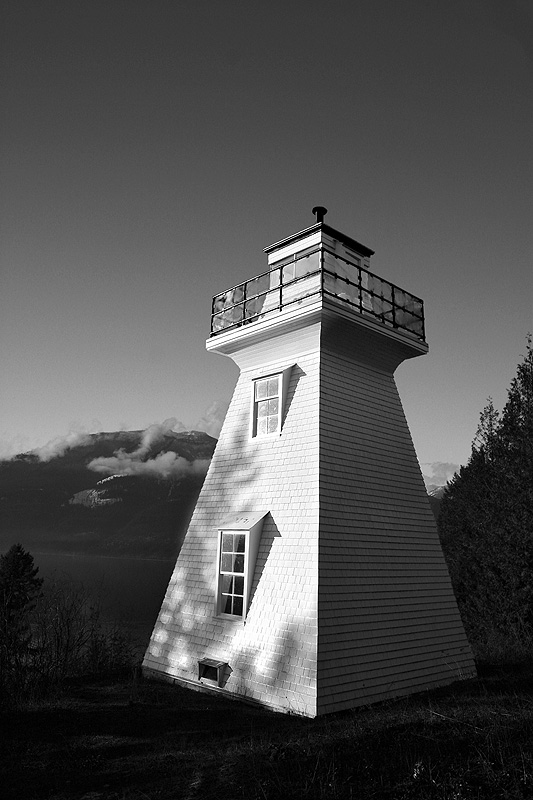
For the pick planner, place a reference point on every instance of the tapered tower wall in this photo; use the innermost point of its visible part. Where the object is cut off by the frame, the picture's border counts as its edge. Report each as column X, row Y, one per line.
column 350, row 599
column 272, row 654
column 388, row 619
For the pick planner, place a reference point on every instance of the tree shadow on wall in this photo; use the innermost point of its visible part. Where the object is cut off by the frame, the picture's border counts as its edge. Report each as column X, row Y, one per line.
column 185, row 619
column 186, row 622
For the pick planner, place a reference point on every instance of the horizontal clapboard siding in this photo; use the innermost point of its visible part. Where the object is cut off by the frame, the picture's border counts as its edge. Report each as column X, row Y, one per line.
column 388, row 619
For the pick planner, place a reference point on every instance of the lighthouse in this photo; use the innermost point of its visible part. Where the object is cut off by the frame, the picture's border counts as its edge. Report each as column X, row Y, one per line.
column 311, row 578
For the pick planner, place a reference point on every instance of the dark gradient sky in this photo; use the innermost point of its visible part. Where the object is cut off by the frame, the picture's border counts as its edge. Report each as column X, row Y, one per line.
column 151, row 150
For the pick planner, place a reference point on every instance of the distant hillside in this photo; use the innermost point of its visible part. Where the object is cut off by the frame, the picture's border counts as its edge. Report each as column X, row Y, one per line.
column 63, row 505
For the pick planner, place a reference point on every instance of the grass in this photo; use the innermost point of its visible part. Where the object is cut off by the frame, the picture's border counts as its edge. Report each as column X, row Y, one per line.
column 119, row 740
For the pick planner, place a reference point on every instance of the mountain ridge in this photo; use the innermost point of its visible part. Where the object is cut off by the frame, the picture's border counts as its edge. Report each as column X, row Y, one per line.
column 160, row 476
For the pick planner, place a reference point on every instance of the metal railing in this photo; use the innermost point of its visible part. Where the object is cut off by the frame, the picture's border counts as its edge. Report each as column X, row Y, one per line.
column 318, row 272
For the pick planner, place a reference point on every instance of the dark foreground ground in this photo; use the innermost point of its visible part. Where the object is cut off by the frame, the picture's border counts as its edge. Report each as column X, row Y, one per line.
column 121, row 740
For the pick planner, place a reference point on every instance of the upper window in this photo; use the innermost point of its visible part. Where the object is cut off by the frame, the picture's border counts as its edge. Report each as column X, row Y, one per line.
column 269, row 395
column 266, row 405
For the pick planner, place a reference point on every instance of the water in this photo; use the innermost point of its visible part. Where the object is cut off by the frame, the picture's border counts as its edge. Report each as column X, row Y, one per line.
column 130, row 590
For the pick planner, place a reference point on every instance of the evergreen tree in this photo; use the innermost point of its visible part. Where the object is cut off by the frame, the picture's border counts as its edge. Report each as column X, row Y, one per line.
column 19, row 588
column 486, row 519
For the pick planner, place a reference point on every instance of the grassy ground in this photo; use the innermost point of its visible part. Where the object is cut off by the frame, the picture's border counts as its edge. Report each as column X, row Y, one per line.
column 116, row 740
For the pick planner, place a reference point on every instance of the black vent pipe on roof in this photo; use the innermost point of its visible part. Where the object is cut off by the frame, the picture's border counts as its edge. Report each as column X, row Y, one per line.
column 320, row 212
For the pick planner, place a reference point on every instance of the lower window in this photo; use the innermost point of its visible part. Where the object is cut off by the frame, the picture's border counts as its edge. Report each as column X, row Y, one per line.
column 231, row 577
column 238, row 545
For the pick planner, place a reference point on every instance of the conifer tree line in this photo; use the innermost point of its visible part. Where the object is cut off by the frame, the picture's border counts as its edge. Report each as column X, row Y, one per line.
column 486, row 525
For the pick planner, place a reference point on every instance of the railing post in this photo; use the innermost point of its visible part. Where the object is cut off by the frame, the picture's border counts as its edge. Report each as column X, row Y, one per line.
column 393, row 298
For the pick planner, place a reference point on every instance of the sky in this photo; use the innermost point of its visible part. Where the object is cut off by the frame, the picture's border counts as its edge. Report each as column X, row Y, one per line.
column 150, row 150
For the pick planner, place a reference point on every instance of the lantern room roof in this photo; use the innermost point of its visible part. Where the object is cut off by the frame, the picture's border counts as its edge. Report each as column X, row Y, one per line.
column 326, row 229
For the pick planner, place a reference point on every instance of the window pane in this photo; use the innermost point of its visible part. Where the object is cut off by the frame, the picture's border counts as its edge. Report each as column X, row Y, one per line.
column 288, row 273
column 237, row 605
column 226, row 562
column 261, row 389
column 262, row 426
column 227, row 543
column 238, row 564
column 257, row 286
column 226, row 584
column 238, row 585
column 262, row 408
column 254, row 306
column 274, row 277
column 273, row 406
column 226, row 604
column 272, row 424
column 306, row 265
column 272, row 387
column 240, row 539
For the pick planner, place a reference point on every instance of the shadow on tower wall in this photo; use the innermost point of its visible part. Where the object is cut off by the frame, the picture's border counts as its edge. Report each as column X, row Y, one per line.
column 187, row 628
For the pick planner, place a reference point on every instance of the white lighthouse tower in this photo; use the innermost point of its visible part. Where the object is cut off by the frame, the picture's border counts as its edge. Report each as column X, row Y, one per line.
column 311, row 578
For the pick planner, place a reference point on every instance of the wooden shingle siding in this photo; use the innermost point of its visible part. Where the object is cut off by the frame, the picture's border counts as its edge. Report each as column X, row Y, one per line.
column 388, row 620
column 272, row 655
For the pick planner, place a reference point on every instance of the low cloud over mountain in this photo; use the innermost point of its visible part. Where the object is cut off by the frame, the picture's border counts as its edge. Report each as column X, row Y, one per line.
column 165, row 464
column 60, row 444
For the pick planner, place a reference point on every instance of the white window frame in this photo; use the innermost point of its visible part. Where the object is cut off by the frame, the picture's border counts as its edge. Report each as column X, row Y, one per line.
column 249, row 526
column 283, row 377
